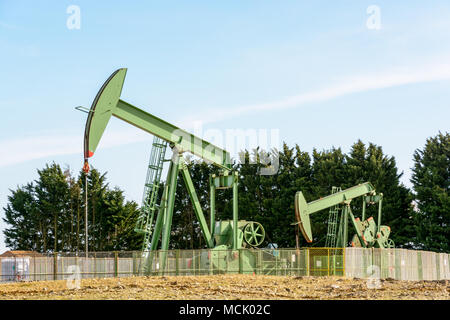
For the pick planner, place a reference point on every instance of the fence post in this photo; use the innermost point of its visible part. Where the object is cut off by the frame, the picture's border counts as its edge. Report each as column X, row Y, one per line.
column 307, row 262
column 240, row 261
column 372, row 262
column 398, row 258
column 344, row 257
column 438, row 266
column 260, row 262
column 210, row 261
column 177, row 266
column 134, row 266
column 116, row 264
column 276, row 261
column 55, row 266
column 95, row 265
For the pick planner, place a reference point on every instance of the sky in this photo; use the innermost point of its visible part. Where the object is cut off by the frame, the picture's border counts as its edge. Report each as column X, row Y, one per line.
column 319, row 74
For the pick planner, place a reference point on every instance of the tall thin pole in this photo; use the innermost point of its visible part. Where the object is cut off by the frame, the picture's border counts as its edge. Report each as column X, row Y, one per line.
column 345, row 235
column 86, row 171
column 212, row 195
column 235, row 211
column 363, row 218
column 379, row 212
column 86, row 213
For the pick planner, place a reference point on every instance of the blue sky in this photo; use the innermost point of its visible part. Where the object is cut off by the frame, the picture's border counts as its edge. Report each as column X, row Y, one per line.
column 312, row 70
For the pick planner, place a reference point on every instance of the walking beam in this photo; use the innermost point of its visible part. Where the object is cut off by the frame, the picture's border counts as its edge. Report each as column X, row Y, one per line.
column 107, row 103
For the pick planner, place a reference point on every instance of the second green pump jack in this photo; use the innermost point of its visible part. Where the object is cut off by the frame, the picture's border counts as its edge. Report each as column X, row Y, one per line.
column 368, row 232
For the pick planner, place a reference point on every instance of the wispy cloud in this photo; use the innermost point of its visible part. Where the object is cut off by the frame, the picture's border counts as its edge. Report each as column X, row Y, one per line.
column 8, row 26
column 26, row 149
column 17, row 151
column 346, row 86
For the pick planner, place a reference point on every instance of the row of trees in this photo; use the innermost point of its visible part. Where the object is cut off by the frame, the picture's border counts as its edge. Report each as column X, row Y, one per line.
column 431, row 181
column 48, row 214
column 419, row 218
column 269, row 199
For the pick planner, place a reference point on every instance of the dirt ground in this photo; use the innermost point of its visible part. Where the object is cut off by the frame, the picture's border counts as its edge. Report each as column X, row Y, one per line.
column 226, row 287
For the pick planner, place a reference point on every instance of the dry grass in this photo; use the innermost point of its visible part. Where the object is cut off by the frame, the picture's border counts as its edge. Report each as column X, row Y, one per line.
column 227, row 287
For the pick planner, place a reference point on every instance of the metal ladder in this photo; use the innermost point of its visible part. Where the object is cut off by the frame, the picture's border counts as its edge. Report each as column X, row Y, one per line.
column 151, row 191
column 333, row 218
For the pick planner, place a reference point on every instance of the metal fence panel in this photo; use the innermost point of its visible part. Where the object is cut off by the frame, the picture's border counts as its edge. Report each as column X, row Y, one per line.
column 400, row 264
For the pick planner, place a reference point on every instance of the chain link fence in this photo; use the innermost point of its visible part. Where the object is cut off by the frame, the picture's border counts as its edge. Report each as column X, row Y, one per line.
column 400, row 264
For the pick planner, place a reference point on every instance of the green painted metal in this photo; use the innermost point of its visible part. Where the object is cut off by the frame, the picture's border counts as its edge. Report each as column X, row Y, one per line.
column 333, row 220
column 302, row 215
column 148, row 255
column 161, row 212
column 382, row 239
column 224, row 236
column 359, row 228
column 340, row 236
column 380, row 202
column 363, row 215
column 212, row 205
column 235, row 212
column 223, row 258
column 368, row 233
column 151, row 191
column 170, row 205
column 107, row 103
column 254, row 233
column 197, row 207
column 102, row 110
column 225, row 180
column 185, row 141
column 345, row 224
column 303, row 209
column 338, row 197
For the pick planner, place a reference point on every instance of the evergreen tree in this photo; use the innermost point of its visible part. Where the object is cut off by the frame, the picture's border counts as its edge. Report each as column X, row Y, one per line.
column 328, row 169
column 431, row 181
column 48, row 215
column 371, row 164
column 52, row 195
column 117, row 223
column 20, row 215
column 186, row 232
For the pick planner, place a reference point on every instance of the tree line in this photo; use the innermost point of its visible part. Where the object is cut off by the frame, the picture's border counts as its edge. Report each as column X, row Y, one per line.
column 48, row 214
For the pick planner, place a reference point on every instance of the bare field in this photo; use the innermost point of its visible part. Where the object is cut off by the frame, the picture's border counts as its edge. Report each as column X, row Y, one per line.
column 227, row 287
